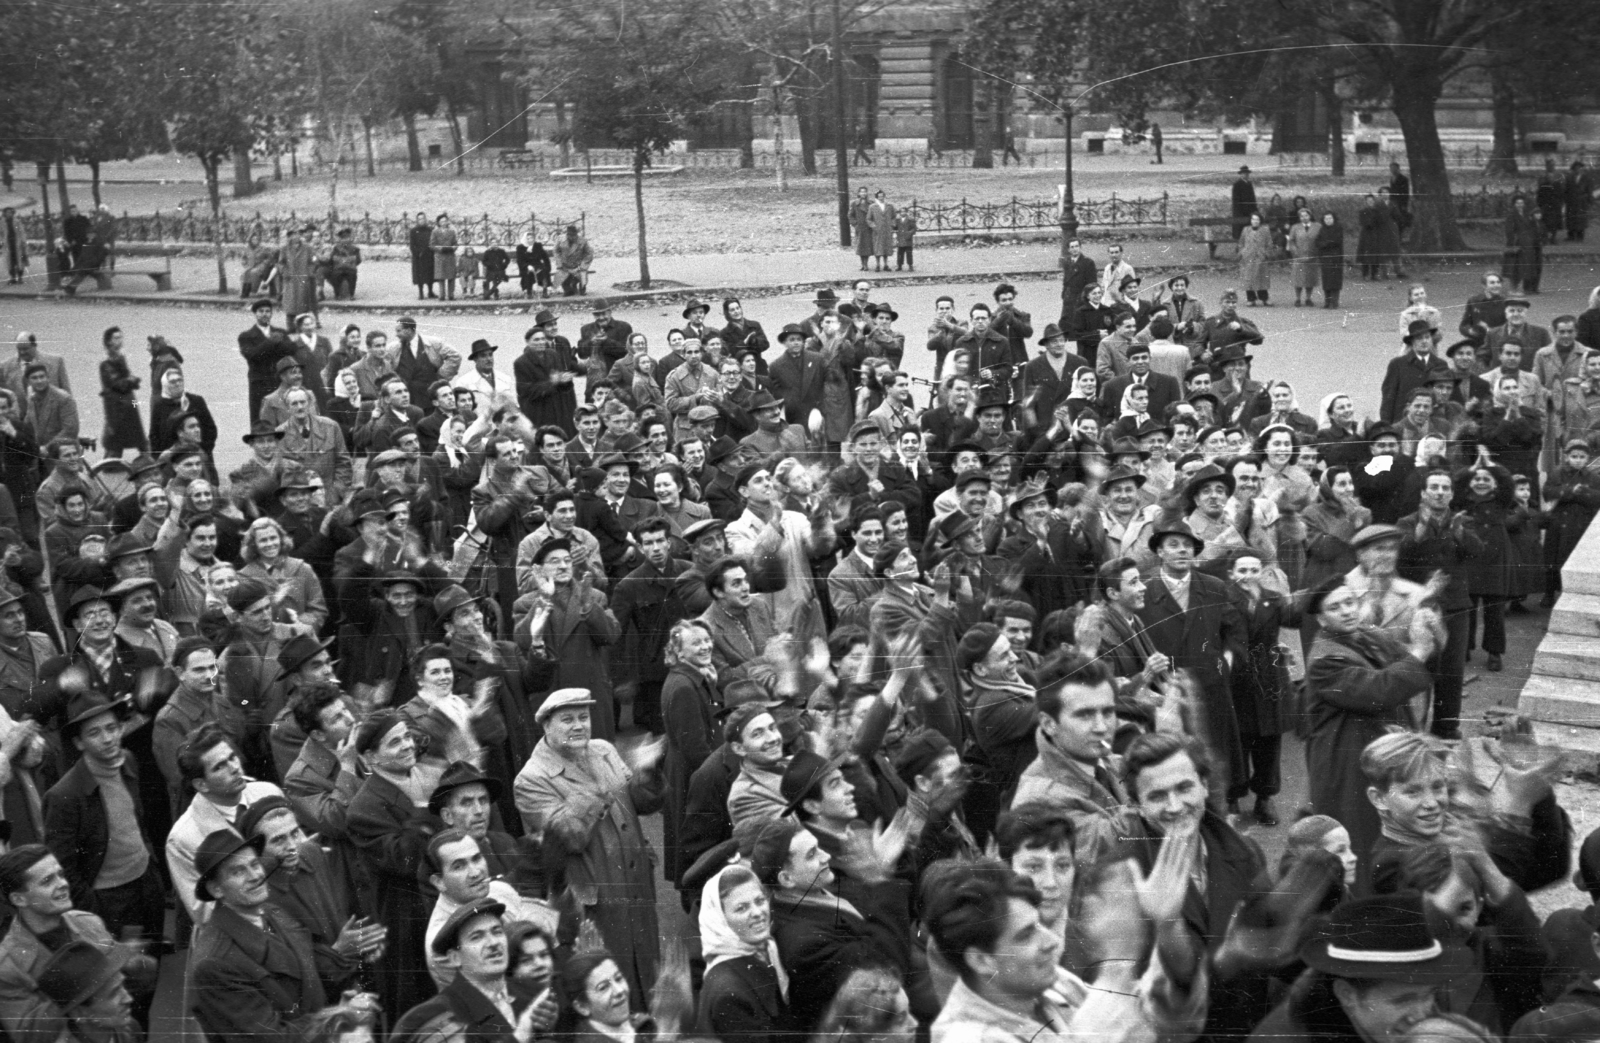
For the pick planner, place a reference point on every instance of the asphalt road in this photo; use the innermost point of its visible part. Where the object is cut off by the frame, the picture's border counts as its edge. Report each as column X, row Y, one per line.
column 1319, row 351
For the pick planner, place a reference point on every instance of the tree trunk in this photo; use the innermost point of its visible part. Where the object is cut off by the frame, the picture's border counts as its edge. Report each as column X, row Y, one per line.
column 277, row 164
column 61, row 185
column 214, row 193
column 372, row 166
column 94, row 180
column 778, row 157
column 563, row 134
column 413, row 147
column 1433, row 228
column 1503, row 155
column 243, row 184
column 638, row 209
column 1330, row 94
column 806, row 111
column 455, row 137
column 747, row 137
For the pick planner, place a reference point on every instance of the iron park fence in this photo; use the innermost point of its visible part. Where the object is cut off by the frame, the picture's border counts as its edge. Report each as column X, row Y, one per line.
column 198, row 227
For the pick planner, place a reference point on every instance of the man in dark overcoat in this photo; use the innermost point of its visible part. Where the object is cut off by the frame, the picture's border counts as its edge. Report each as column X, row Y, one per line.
column 1192, row 620
column 797, row 377
column 1359, row 682
column 543, row 374
column 1244, row 201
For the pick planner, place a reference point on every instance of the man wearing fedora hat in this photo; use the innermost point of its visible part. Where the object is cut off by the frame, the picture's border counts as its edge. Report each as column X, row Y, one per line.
column 275, row 406
column 604, row 341
column 798, row 380
column 483, row 380
column 33, row 885
column 1375, row 970
column 1411, row 369
column 774, row 437
column 1192, row 620
column 93, row 821
column 1047, row 379
column 252, row 968
column 89, row 988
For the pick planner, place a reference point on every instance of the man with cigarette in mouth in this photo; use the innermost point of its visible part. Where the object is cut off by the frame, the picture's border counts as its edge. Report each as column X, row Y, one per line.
column 1075, row 771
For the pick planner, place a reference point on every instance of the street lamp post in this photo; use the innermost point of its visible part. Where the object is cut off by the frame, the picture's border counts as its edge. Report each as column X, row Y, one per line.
column 52, row 274
column 1069, row 214
column 841, row 153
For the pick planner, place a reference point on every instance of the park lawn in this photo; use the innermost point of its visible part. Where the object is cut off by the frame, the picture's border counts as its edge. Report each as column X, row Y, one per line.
column 735, row 211
column 721, row 211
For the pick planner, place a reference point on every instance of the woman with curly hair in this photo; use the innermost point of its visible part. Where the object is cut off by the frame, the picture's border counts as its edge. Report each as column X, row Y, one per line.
column 297, row 593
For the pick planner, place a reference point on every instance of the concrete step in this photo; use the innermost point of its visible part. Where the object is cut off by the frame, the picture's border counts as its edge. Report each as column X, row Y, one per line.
column 1576, row 614
column 1568, row 655
column 1561, row 701
column 1581, row 742
column 1581, row 573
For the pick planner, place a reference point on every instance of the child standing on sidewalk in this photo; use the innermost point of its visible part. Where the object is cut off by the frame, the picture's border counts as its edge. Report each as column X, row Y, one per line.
column 468, row 270
column 905, row 227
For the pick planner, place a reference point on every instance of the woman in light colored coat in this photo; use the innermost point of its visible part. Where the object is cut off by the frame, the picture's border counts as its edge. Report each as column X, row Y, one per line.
column 442, row 241
column 1255, row 250
column 881, row 218
column 294, row 585
column 1303, row 254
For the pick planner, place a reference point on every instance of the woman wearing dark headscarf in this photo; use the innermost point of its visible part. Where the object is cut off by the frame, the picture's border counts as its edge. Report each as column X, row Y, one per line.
column 1330, row 258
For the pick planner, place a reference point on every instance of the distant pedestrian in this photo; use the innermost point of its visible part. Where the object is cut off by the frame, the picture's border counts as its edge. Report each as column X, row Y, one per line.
column 442, row 241
column 1580, row 194
column 574, row 257
column 123, row 429
column 1550, row 199
column 1255, row 251
column 533, row 266
column 419, row 241
column 344, row 258
column 860, row 228
column 1330, row 258
column 14, row 244
column 296, row 265
column 1244, row 201
column 1156, row 139
column 880, row 217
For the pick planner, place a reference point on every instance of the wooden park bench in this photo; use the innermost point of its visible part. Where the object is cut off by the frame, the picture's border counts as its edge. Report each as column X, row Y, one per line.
column 514, row 158
column 160, row 274
column 1209, row 227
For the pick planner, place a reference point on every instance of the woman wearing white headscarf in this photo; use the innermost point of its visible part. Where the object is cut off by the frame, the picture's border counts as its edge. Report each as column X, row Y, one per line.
column 746, row 990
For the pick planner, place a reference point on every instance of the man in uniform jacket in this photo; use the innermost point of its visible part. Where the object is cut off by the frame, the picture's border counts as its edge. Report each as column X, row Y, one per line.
column 252, row 972
column 1192, row 620
column 797, row 377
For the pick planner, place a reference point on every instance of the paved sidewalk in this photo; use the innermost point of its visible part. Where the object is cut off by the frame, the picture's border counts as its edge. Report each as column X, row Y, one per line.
column 384, row 284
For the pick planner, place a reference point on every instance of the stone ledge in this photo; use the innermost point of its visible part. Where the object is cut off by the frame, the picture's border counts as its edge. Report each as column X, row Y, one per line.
column 1576, row 614
column 1562, row 693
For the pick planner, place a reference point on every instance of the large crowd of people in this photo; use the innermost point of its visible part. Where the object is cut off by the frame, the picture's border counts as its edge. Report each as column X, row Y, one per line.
column 959, row 719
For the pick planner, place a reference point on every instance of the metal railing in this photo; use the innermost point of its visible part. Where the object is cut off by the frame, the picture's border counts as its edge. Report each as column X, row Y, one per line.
column 199, row 227
column 1456, row 157
column 1021, row 214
